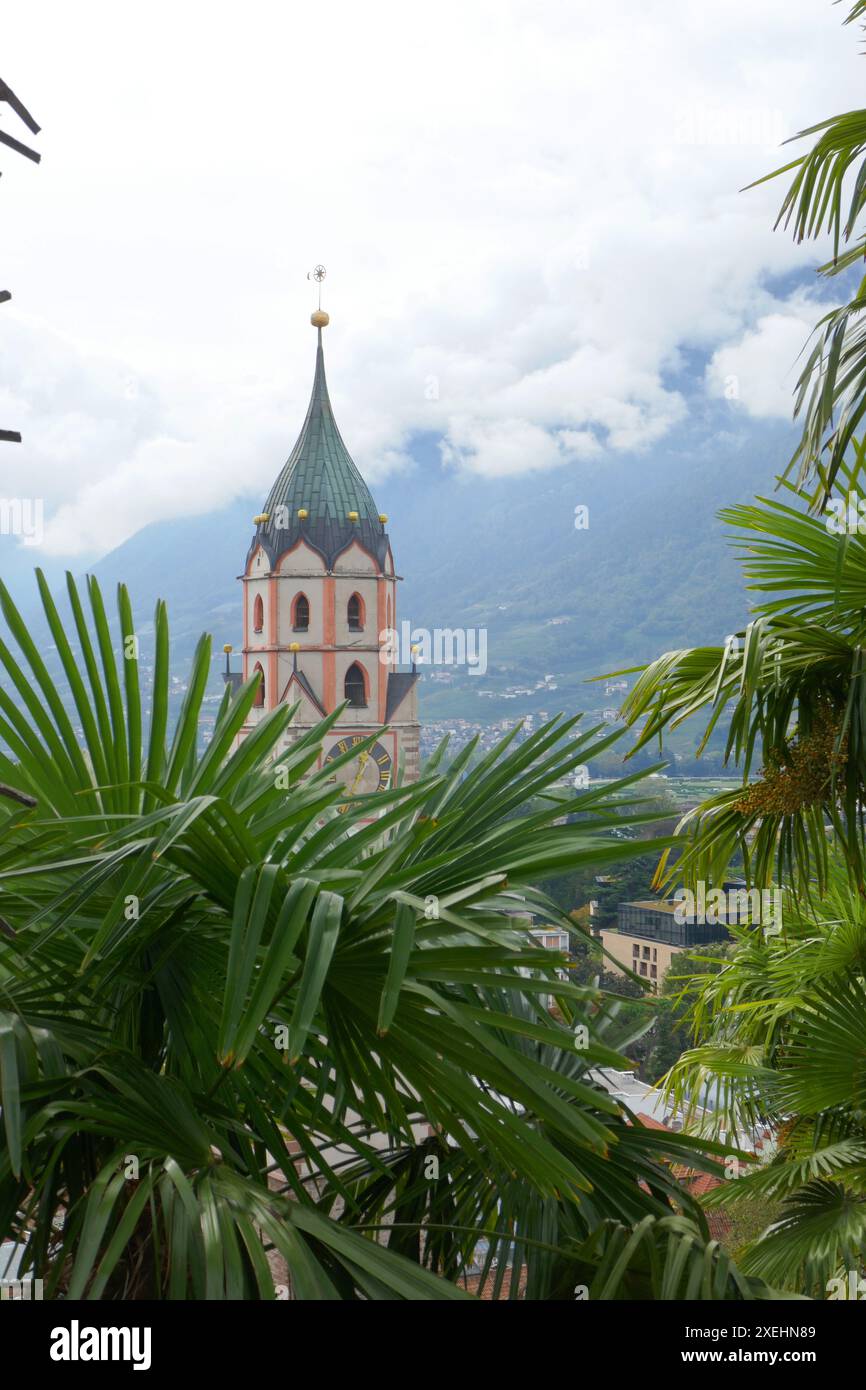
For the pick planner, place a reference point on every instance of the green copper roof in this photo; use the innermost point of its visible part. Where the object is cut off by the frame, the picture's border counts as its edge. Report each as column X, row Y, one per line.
column 320, row 478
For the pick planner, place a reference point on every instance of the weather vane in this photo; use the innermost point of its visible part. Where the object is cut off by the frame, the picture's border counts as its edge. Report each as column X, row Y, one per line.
column 318, row 274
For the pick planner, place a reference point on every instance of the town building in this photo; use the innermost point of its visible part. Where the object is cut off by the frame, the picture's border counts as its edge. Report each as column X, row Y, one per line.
column 650, row 933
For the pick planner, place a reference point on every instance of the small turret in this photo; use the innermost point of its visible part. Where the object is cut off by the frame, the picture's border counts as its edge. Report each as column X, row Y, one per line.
column 230, row 677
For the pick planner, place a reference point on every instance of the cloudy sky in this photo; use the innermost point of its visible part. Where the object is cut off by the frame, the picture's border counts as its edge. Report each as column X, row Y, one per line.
column 529, row 213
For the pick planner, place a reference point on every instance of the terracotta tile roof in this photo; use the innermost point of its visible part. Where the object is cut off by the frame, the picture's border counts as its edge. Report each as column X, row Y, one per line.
column 698, row 1183
column 472, row 1282
column 704, row 1183
column 649, row 1123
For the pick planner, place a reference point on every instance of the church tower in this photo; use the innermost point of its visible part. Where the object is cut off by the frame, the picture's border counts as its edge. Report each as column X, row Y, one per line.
column 320, row 591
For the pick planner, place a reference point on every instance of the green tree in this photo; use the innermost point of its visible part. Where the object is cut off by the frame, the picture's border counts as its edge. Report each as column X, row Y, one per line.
column 673, row 1033
column 238, row 1015
column 626, row 883
column 794, row 680
column 782, row 1027
column 828, row 195
column 796, row 675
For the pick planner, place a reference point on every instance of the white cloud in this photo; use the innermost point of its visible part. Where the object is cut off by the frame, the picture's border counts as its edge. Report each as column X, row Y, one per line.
column 502, row 448
column 109, row 453
column 529, row 213
column 759, row 371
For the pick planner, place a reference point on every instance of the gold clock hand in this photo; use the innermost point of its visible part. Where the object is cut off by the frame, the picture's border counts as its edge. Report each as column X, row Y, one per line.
column 362, row 763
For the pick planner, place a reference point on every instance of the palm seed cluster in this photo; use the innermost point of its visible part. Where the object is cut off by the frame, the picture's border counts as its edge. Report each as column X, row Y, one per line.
column 802, row 773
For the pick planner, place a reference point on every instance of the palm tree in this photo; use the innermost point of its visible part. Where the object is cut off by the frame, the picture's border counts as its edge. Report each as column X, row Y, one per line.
column 238, row 1017
column 781, row 1025
column 782, row 1028
column 791, row 684
column 831, row 390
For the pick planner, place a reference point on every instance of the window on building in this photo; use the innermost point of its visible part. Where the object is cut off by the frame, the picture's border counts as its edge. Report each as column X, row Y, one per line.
column 654, row 972
column 355, row 614
column 655, row 954
column 643, row 967
column 635, row 950
column 301, row 613
column 259, row 701
column 354, row 687
column 646, row 952
column 258, row 613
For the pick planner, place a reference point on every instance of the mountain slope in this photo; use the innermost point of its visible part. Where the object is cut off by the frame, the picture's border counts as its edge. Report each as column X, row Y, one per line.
column 652, row 571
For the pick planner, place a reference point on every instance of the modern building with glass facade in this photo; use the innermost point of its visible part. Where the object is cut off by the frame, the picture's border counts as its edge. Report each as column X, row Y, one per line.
column 648, row 936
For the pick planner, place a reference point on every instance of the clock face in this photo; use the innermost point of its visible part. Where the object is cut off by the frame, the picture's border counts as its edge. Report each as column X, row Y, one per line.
column 369, row 771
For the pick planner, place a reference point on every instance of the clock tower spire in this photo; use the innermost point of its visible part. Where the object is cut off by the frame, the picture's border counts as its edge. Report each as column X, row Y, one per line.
column 320, row 594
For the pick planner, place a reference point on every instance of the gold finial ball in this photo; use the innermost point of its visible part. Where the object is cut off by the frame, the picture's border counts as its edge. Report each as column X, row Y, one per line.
column 319, row 319
column 383, row 517
column 294, row 646
column 353, row 516
column 228, row 648
column 303, row 513
column 261, row 518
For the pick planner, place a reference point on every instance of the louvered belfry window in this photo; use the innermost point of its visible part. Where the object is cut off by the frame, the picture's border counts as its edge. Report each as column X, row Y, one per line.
column 354, row 688
column 302, row 613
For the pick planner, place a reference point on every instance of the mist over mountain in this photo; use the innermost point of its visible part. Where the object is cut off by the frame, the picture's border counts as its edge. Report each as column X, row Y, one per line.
column 652, row 571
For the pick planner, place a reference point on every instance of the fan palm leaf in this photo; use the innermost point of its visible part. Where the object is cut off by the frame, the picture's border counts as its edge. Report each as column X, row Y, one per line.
column 826, row 195
column 228, row 989
column 791, row 687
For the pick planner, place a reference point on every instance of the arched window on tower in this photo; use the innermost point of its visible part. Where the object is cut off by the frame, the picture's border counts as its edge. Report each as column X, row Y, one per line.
column 301, row 613
column 354, row 687
column 258, row 613
column 355, row 613
column 258, row 702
